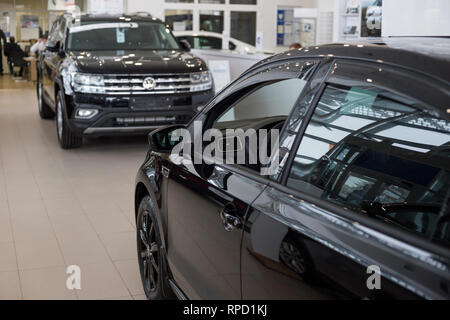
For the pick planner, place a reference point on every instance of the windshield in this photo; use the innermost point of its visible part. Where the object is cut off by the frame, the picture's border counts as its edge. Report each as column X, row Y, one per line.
column 100, row 35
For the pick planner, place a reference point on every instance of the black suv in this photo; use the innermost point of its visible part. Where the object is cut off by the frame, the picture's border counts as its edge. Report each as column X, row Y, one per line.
column 358, row 206
column 105, row 75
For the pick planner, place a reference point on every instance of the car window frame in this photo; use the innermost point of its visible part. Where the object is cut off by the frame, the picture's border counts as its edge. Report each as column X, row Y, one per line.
column 385, row 229
column 240, row 89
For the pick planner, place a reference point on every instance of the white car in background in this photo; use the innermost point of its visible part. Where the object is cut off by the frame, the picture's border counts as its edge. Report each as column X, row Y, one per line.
column 206, row 40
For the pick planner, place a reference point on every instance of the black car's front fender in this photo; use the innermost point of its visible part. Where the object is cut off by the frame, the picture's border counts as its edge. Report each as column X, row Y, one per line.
column 149, row 181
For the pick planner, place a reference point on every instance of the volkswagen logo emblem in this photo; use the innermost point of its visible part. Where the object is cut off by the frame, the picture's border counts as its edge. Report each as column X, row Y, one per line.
column 149, row 83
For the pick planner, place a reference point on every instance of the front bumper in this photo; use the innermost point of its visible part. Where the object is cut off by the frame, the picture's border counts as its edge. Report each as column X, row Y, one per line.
column 132, row 115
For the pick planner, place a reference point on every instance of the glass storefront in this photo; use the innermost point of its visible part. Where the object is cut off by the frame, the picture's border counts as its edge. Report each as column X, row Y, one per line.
column 243, row 26
column 29, row 19
column 179, row 20
column 216, row 16
column 211, row 20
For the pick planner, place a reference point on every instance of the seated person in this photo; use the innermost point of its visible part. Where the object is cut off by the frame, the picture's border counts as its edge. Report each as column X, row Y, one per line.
column 15, row 56
column 40, row 45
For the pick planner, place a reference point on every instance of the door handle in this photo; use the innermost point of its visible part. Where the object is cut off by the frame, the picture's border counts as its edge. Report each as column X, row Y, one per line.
column 229, row 220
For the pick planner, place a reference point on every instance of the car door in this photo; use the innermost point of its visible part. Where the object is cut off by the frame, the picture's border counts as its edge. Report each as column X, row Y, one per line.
column 206, row 211
column 357, row 209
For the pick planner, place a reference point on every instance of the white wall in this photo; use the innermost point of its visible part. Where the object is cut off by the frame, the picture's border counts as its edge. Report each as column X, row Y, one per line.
column 266, row 13
column 416, row 18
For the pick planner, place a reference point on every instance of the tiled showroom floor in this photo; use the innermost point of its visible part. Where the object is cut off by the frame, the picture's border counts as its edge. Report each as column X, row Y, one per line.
column 61, row 208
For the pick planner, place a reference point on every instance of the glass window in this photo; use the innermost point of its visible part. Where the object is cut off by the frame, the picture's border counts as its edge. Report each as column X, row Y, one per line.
column 179, row 20
column 207, row 43
column 377, row 154
column 211, row 20
column 275, row 100
column 242, row 1
column 265, row 108
column 243, row 26
column 115, row 36
column 181, row 1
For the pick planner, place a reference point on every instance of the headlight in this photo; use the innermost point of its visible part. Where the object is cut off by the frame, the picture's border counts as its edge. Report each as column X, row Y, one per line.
column 201, row 81
column 88, row 83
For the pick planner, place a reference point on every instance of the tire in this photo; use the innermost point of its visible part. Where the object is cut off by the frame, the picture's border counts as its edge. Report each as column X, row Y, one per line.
column 44, row 109
column 150, row 259
column 66, row 138
column 295, row 257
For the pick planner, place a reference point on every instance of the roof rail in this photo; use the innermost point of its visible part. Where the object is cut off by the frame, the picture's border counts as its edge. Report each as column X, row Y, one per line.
column 140, row 13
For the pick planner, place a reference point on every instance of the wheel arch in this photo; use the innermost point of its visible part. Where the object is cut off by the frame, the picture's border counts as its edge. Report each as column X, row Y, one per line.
column 141, row 192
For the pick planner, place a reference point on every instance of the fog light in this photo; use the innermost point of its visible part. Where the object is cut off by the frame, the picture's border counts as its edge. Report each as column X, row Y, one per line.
column 85, row 113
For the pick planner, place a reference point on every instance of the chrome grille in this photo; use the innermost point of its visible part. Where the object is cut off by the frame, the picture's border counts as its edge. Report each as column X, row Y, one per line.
column 133, row 84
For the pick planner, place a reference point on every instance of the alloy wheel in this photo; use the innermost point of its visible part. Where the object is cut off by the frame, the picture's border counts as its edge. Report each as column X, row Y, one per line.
column 40, row 96
column 149, row 252
column 59, row 120
column 293, row 257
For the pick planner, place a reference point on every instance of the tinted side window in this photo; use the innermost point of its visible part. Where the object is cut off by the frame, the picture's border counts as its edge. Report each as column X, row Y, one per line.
column 210, row 43
column 379, row 155
column 264, row 104
column 274, row 100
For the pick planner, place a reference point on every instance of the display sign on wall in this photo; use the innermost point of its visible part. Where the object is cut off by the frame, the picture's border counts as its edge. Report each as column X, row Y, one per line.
column 60, row 5
column 220, row 70
column 296, row 25
column 29, row 21
column 371, row 16
column 280, row 27
column 29, row 33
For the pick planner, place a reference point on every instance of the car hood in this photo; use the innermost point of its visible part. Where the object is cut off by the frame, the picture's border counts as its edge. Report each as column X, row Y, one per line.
column 136, row 62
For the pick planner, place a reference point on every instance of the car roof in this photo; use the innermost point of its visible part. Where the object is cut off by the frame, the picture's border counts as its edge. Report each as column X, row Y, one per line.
column 433, row 60
column 135, row 17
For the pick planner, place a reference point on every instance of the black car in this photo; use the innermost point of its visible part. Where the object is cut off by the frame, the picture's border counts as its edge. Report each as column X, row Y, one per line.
column 106, row 75
column 357, row 208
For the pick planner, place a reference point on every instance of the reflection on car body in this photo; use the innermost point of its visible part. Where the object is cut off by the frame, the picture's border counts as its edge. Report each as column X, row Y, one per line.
column 362, row 184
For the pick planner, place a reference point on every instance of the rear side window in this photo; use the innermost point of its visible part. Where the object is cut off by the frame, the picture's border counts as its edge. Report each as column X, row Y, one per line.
column 378, row 155
column 210, row 43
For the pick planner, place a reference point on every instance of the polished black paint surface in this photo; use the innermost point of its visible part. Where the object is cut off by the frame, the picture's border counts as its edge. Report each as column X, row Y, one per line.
column 58, row 63
column 149, row 61
column 289, row 244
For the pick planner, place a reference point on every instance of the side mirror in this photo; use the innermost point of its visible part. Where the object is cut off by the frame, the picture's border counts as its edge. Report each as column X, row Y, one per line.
column 163, row 140
column 53, row 46
column 185, row 45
